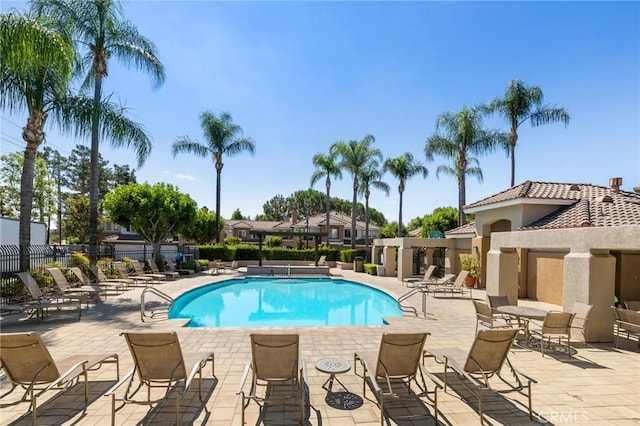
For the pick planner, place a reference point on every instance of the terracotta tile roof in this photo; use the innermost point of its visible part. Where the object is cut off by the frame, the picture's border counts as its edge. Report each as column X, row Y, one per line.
column 579, row 204
column 466, row 229
column 335, row 219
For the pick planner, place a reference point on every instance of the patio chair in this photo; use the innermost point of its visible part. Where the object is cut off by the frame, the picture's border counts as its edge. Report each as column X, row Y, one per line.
column 41, row 302
column 495, row 302
column 581, row 318
column 84, row 293
column 102, row 279
column 139, row 271
column 426, row 278
column 28, row 364
column 485, row 360
column 159, row 363
column 632, row 305
column 121, row 267
column 181, row 271
column 391, row 371
column 276, row 366
column 105, row 286
column 154, row 268
column 626, row 321
column 456, row 286
column 485, row 316
column 555, row 325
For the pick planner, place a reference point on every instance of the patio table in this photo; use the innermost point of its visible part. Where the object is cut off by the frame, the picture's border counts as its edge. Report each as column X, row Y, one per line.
column 524, row 314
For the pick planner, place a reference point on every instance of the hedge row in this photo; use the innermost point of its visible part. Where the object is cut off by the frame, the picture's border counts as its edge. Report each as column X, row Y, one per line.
column 251, row 252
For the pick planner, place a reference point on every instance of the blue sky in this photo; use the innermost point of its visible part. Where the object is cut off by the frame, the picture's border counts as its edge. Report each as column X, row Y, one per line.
column 299, row 76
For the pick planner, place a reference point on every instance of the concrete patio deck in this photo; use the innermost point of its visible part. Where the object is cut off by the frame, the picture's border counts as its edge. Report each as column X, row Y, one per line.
column 599, row 385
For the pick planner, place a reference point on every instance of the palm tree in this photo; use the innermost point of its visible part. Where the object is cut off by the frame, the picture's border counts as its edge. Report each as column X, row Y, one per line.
column 37, row 68
column 100, row 27
column 519, row 104
column 223, row 137
column 370, row 177
column 326, row 166
column 354, row 156
column 460, row 136
column 404, row 167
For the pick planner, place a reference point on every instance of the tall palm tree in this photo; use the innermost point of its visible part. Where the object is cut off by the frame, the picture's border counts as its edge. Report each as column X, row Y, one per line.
column 370, row 177
column 519, row 104
column 459, row 136
column 354, row 156
column 99, row 27
column 37, row 65
column 326, row 166
column 35, row 73
column 404, row 167
column 223, row 137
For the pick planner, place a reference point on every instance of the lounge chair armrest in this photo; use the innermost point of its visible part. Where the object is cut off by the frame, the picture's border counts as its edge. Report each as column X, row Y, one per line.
column 66, row 375
column 367, row 372
column 436, row 381
column 198, row 366
column 243, row 380
column 124, row 379
column 520, row 373
column 303, row 372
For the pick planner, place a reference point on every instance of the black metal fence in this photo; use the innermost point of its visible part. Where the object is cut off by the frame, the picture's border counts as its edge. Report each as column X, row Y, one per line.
column 42, row 255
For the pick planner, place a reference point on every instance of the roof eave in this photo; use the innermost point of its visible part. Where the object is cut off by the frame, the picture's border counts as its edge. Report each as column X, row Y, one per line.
column 519, row 201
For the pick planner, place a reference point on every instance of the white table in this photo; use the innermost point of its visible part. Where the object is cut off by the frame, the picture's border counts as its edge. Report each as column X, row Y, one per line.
column 524, row 314
column 333, row 366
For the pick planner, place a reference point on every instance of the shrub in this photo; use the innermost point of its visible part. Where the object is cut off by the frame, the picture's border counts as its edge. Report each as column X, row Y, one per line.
column 370, row 268
column 273, row 241
column 348, row 255
column 246, row 252
column 80, row 260
column 212, row 252
column 233, row 241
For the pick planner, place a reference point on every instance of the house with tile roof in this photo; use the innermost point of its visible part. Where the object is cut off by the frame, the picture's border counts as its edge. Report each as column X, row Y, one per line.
column 339, row 225
column 555, row 242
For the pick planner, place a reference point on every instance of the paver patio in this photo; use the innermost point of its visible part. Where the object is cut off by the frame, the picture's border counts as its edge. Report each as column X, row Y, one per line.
column 598, row 385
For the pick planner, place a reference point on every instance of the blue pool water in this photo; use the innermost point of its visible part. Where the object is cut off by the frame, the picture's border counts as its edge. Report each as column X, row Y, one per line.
column 258, row 302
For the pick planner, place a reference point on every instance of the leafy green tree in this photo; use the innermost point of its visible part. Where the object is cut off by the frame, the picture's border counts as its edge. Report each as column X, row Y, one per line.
column 354, row 157
column 223, row 138
column 237, row 215
column 76, row 218
column 155, row 212
column 404, row 167
column 458, row 136
column 10, row 169
column 121, row 175
column 277, row 208
column 415, row 223
column 519, row 104
column 326, row 166
column 442, row 219
column 202, row 229
column 390, row 230
column 307, row 202
column 370, row 177
column 37, row 64
column 273, row 241
column 57, row 165
column 99, row 26
column 78, row 171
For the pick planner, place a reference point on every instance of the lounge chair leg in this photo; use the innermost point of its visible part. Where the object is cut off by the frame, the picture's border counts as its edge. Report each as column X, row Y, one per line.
column 34, row 413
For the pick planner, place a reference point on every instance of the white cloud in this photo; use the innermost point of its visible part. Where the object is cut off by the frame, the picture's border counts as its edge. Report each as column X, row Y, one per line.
column 179, row 175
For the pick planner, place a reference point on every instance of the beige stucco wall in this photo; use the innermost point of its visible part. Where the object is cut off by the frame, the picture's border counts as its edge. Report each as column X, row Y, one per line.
column 627, row 275
column 519, row 215
column 544, row 276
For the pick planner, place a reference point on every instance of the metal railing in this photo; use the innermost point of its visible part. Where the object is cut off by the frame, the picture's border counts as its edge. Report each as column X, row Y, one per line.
column 164, row 311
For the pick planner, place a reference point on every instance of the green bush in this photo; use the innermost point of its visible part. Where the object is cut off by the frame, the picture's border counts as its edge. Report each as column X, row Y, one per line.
column 246, row 252
column 273, row 241
column 233, row 241
column 370, row 268
column 80, row 260
column 348, row 255
column 212, row 252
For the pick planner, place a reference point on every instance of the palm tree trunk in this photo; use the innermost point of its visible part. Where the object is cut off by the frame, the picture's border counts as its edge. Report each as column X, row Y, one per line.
column 366, row 227
column 462, row 185
column 219, row 166
column 30, row 135
column 513, row 140
column 94, row 182
column 400, row 217
column 327, row 208
column 354, row 209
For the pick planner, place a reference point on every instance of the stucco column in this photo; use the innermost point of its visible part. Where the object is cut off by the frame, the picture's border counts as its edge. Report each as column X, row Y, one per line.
column 405, row 263
column 375, row 250
column 502, row 273
column 590, row 278
column 428, row 256
column 389, row 254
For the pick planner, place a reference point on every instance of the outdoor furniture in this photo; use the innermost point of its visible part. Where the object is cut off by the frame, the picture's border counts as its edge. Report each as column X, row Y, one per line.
column 485, row 317
column 139, row 271
column 391, row 371
column 172, row 267
column 555, row 325
column 105, row 286
column 484, row 360
column 626, row 321
column 41, row 302
column 103, row 280
column 632, row 305
column 581, row 318
column 124, row 273
column 332, row 366
column 154, row 268
column 495, row 302
column 523, row 314
column 159, row 363
column 276, row 366
column 456, row 286
column 84, row 293
column 28, row 364
column 426, row 278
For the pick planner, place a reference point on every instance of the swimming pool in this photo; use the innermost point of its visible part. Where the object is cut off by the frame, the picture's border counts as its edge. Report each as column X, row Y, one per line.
column 258, row 302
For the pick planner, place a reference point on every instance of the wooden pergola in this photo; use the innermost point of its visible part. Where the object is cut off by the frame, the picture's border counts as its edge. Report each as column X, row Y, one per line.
column 262, row 234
